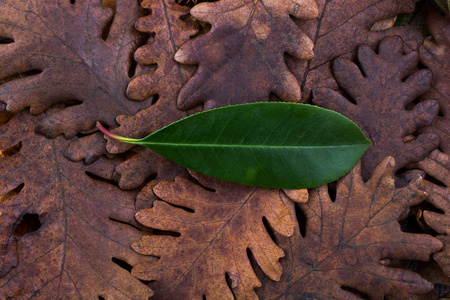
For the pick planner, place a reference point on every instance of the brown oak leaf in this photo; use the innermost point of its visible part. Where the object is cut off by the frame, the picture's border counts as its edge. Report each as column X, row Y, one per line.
column 65, row 231
column 433, row 273
column 241, row 59
column 78, row 54
column 437, row 165
column 169, row 32
column 436, row 57
column 216, row 223
column 341, row 27
column 349, row 242
column 381, row 90
column 88, row 148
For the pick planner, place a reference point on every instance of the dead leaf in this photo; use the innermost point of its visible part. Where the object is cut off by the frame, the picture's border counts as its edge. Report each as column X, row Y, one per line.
column 78, row 54
column 437, row 165
column 241, row 59
column 435, row 55
column 212, row 226
column 346, row 248
column 433, row 273
column 64, row 227
column 341, row 27
column 378, row 94
column 168, row 32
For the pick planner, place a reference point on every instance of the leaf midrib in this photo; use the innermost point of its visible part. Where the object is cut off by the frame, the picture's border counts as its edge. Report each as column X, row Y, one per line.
column 246, row 146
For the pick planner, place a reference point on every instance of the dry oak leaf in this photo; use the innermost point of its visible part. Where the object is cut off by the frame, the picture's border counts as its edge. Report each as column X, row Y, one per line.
column 217, row 222
column 341, row 27
column 381, row 90
column 437, row 165
column 349, row 242
column 79, row 54
column 80, row 232
column 241, row 59
column 436, row 56
column 169, row 32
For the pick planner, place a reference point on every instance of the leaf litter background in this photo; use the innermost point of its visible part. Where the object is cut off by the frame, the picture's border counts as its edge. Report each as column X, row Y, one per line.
column 87, row 218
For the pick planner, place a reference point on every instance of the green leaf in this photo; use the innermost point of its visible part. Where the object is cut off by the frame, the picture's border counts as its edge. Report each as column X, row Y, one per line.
column 278, row 145
column 444, row 4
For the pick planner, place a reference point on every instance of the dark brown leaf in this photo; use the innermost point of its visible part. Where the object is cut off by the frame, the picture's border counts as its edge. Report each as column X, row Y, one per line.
column 162, row 84
column 341, row 27
column 62, row 223
column 437, row 165
column 217, row 223
column 348, row 244
column 433, row 273
column 78, row 54
column 436, row 56
column 382, row 88
column 241, row 59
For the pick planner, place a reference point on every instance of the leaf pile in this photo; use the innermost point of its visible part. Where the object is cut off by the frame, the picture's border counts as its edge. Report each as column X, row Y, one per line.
column 84, row 217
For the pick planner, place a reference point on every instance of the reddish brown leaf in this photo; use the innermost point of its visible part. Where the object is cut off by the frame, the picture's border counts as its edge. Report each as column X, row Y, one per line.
column 436, row 56
column 348, row 243
column 62, row 223
column 381, row 94
column 90, row 148
column 437, row 165
column 341, row 27
column 162, row 84
column 433, row 273
column 78, row 54
column 242, row 58
column 216, row 223
column 170, row 32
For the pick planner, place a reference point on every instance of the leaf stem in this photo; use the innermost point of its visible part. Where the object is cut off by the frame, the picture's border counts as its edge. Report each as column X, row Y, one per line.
column 115, row 136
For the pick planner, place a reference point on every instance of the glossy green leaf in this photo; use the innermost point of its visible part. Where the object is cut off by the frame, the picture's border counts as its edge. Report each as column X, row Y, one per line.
column 279, row 145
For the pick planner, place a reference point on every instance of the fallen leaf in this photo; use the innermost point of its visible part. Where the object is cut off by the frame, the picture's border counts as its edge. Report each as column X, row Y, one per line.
column 78, row 54
column 378, row 93
column 436, row 56
column 241, row 59
column 212, row 224
column 437, row 165
column 168, row 31
column 80, row 227
column 275, row 145
column 348, row 244
column 341, row 27
column 433, row 273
